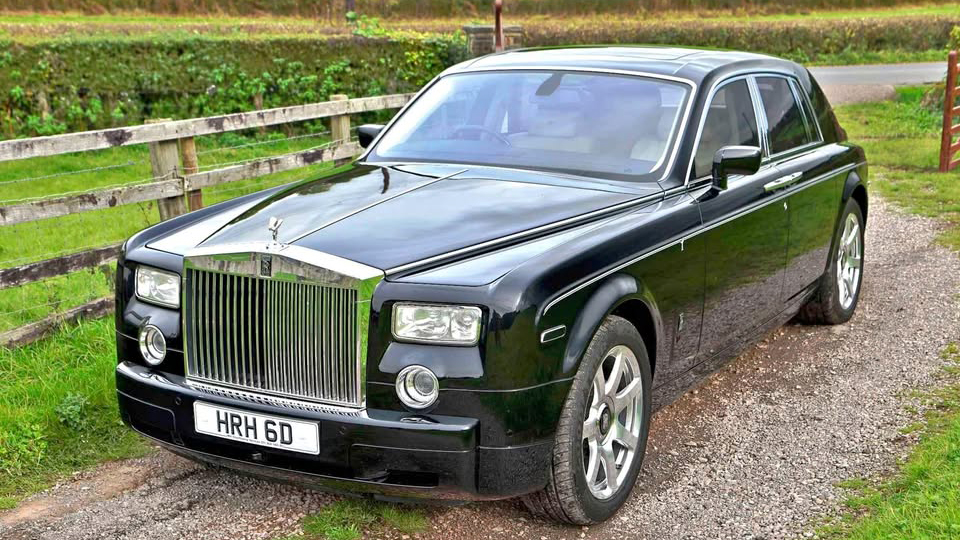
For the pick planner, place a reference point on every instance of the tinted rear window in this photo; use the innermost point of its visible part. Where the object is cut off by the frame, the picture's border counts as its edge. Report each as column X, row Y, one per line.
column 786, row 126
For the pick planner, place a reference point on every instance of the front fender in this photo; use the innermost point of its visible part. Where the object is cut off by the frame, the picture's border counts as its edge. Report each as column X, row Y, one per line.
column 606, row 297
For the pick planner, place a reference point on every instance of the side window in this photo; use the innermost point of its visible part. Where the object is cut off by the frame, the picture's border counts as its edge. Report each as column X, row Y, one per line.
column 730, row 121
column 786, row 128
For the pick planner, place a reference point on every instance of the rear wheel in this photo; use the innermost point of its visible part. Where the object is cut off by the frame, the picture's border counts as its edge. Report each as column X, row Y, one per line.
column 839, row 291
column 602, row 434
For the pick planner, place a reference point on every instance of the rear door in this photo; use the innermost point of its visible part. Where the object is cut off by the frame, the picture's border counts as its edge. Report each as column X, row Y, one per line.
column 746, row 228
column 797, row 151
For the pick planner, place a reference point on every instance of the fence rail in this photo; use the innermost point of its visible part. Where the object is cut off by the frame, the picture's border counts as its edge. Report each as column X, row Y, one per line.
column 176, row 185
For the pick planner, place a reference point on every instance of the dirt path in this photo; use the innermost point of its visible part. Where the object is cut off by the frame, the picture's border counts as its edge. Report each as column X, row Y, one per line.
column 755, row 452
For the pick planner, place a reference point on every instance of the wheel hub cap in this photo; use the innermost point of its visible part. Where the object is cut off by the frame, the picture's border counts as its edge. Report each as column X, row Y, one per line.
column 611, row 429
column 606, row 419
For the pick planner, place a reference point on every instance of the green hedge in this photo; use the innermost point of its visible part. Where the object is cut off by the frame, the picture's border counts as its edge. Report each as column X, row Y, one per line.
column 89, row 83
column 70, row 85
column 801, row 40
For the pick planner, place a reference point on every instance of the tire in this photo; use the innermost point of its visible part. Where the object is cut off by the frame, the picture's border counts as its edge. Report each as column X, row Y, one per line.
column 830, row 303
column 568, row 496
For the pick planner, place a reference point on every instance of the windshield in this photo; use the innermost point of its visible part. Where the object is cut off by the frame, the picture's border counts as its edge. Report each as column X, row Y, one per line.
column 612, row 126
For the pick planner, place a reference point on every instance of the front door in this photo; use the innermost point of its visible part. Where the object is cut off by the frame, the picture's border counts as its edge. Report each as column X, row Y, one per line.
column 811, row 191
column 745, row 227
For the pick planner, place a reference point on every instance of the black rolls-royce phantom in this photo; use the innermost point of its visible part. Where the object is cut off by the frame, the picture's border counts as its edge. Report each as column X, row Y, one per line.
column 537, row 251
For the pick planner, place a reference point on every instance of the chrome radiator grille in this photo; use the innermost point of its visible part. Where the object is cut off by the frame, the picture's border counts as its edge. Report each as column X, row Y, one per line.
column 284, row 337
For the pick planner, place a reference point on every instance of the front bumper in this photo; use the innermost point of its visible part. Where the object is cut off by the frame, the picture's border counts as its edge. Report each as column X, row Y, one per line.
column 385, row 454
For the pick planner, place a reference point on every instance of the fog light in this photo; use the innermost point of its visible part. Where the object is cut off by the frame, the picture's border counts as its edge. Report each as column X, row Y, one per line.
column 153, row 346
column 417, row 387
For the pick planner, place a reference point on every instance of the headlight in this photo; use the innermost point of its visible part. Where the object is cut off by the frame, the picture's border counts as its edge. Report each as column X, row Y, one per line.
column 454, row 325
column 158, row 286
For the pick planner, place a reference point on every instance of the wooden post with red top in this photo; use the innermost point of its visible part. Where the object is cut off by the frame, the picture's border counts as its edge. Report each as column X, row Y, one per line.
column 950, row 111
column 498, row 25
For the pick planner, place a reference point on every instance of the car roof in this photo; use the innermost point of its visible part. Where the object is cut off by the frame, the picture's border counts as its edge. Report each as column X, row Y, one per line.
column 695, row 65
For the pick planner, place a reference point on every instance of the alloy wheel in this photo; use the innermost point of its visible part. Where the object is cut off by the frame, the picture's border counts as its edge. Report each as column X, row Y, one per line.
column 611, row 429
column 849, row 261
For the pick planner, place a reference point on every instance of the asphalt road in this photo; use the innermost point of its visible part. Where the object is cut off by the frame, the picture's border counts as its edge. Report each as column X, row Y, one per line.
column 886, row 74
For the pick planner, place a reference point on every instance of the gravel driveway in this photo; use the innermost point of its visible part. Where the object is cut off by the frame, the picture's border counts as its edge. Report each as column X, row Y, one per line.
column 755, row 452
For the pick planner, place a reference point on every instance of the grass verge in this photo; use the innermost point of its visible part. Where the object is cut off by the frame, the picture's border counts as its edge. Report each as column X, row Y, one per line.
column 58, row 410
column 922, row 500
column 350, row 519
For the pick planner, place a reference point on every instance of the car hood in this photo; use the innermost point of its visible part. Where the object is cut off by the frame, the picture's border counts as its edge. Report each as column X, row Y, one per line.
column 388, row 217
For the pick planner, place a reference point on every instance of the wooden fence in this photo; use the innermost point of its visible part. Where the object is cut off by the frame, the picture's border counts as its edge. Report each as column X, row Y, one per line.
column 948, row 149
column 177, row 181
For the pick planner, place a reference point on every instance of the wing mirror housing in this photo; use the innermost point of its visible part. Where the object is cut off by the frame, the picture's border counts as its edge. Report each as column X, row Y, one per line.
column 367, row 133
column 730, row 160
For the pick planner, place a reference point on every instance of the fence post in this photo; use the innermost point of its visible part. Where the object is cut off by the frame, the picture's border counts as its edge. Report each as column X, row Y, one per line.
column 947, row 149
column 188, row 156
column 165, row 161
column 340, row 128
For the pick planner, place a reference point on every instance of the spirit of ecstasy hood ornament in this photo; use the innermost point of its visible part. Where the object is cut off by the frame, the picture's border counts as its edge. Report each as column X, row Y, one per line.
column 274, row 227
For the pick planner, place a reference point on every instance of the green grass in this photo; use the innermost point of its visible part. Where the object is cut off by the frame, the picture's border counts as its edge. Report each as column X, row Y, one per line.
column 350, row 519
column 29, row 242
column 922, row 501
column 902, row 141
column 58, row 409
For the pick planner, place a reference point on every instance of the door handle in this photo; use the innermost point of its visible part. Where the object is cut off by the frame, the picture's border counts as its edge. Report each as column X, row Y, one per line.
column 782, row 182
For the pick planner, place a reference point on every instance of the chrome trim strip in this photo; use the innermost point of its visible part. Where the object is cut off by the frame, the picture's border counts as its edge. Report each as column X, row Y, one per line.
column 683, row 238
column 523, row 234
column 690, row 98
column 551, row 334
column 270, row 400
column 371, row 205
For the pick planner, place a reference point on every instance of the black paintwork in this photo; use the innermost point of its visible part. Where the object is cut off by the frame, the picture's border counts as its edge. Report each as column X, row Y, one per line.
column 699, row 271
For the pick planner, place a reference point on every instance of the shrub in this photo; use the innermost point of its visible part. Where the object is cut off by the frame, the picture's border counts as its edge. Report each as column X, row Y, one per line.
column 72, row 411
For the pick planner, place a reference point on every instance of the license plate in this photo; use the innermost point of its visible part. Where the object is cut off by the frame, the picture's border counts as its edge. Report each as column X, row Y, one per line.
column 253, row 428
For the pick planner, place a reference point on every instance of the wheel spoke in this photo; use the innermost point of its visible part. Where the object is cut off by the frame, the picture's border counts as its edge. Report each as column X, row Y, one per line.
column 615, row 373
column 593, row 463
column 609, row 467
column 626, row 438
column 599, row 385
column 850, row 283
column 849, row 233
column 590, row 431
column 853, row 261
column 625, row 397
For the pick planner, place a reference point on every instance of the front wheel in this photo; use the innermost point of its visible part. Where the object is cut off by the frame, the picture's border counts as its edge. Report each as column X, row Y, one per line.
column 836, row 298
column 602, row 434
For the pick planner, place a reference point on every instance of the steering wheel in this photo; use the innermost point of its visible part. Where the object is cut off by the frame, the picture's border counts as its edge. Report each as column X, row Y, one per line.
column 476, row 127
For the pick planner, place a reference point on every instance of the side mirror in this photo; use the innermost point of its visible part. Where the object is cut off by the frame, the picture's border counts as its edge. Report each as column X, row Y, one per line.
column 734, row 160
column 367, row 133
